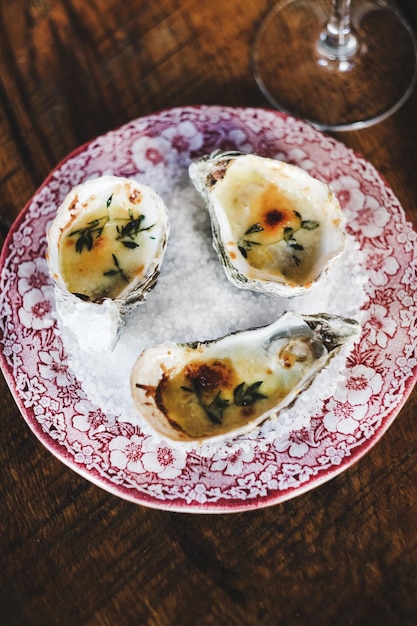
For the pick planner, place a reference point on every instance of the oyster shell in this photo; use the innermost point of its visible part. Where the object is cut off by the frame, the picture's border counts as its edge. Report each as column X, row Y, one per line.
column 227, row 386
column 105, row 248
column 276, row 229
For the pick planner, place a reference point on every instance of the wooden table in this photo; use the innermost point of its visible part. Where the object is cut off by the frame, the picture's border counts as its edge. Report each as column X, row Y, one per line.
column 73, row 554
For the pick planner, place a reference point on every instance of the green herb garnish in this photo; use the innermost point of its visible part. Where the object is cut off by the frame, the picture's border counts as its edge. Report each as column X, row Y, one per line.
column 243, row 395
column 117, row 271
column 86, row 235
column 128, row 233
column 245, row 245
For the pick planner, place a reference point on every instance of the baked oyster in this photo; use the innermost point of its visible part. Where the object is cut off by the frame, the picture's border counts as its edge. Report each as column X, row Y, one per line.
column 225, row 387
column 105, row 248
column 276, row 229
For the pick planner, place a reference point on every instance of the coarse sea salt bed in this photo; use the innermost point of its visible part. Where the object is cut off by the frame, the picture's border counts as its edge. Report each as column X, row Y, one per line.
column 194, row 301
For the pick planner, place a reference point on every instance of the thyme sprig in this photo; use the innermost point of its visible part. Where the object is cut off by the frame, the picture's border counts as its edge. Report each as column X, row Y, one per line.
column 214, row 410
column 245, row 245
column 255, row 228
column 128, row 233
column 117, row 271
column 243, row 395
column 86, row 235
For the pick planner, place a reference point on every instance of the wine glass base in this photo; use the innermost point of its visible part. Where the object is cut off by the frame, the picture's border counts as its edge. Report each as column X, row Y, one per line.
column 299, row 75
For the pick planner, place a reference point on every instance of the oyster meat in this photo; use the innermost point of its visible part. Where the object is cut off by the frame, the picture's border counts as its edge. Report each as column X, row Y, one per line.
column 226, row 387
column 105, row 248
column 276, row 229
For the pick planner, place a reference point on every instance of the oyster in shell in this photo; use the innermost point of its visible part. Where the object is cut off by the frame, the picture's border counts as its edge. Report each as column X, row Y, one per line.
column 276, row 229
column 227, row 386
column 105, row 248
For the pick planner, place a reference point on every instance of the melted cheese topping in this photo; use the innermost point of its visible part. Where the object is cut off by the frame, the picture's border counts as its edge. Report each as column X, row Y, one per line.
column 107, row 244
column 212, row 396
column 276, row 222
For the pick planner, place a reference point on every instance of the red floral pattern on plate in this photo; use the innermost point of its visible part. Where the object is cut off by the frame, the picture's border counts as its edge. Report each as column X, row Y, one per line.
column 250, row 471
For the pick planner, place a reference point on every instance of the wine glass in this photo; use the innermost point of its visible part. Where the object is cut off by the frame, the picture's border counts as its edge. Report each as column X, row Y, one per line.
column 338, row 64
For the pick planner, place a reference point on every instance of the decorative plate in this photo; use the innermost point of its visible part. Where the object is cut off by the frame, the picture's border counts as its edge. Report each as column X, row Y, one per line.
column 246, row 473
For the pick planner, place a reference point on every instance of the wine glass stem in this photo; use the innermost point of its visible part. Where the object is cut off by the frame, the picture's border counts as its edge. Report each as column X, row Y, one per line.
column 337, row 40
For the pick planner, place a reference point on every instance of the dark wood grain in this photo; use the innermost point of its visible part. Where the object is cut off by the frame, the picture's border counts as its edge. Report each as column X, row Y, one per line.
column 72, row 554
